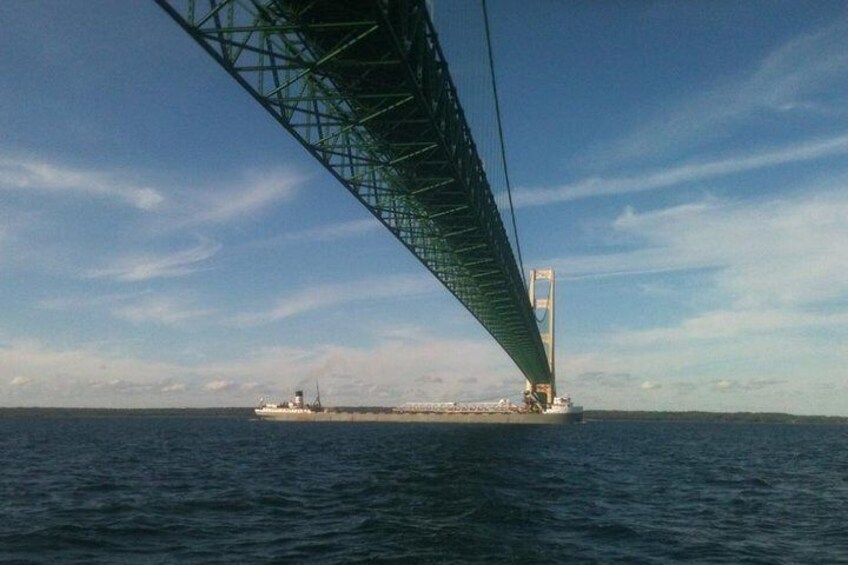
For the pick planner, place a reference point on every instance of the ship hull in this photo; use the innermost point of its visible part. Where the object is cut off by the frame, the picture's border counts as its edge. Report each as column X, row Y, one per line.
column 424, row 417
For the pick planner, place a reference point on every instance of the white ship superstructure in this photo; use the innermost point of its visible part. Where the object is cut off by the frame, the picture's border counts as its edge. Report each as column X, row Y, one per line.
column 563, row 405
column 296, row 406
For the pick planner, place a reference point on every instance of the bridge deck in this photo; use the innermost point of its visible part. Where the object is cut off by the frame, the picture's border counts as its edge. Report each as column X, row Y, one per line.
column 363, row 85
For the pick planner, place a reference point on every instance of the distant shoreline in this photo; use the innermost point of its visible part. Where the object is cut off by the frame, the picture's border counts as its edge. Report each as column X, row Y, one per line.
column 589, row 415
column 716, row 417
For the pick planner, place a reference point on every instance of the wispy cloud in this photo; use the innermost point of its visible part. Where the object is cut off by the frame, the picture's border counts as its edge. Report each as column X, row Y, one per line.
column 759, row 367
column 598, row 379
column 31, row 175
column 4, row 240
column 79, row 302
column 341, row 230
column 163, row 310
column 324, row 233
column 219, row 385
column 329, row 295
column 730, row 324
column 150, row 266
column 775, row 274
column 182, row 208
column 56, row 369
column 388, row 372
column 749, row 385
column 683, row 174
column 771, row 252
column 215, row 205
column 796, row 77
column 137, row 307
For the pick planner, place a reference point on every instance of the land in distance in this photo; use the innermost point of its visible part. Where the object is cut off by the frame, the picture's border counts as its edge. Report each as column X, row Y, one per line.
column 588, row 415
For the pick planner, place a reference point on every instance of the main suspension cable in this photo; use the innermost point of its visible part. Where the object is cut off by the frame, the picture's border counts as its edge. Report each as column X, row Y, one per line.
column 501, row 137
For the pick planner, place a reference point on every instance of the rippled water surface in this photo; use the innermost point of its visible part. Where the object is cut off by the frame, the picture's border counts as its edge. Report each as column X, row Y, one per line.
column 206, row 490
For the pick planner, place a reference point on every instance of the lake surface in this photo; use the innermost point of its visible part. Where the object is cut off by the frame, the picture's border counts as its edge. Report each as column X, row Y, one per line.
column 222, row 490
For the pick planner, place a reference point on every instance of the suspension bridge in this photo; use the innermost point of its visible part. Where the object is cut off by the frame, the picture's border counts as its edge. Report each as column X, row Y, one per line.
column 364, row 86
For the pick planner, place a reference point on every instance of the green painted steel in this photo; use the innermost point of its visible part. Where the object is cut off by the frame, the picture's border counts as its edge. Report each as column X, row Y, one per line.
column 363, row 85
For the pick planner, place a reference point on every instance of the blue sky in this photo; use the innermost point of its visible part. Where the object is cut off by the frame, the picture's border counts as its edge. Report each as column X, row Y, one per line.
column 683, row 166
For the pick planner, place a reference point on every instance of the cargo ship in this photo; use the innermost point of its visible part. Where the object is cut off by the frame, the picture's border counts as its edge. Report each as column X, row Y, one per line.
column 561, row 411
column 541, row 403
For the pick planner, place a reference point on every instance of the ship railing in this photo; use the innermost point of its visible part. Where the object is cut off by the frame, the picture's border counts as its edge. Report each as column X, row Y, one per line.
column 456, row 407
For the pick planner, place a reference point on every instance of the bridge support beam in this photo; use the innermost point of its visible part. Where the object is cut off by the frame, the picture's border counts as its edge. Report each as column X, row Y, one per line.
column 543, row 305
column 364, row 87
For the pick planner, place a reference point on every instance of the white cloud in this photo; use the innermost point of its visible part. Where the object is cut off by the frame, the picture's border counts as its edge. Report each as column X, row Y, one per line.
column 329, row 295
column 764, row 302
column 133, row 307
column 333, row 232
column 777, row 274
column 68, row 371
column 149, row 266
column 595, row 378
column 78, row 302
column 775, row 252
column 19, row 381
column 792, row 75
column 182, row 209
column 388, row 372
column 255, row 195
column 650, row 385
column 801, row 76
column 218, row 386
column 401, row 332
column 32, row 175
column 165, row 310
column 783, row 372
column 728, row 324
column 112, row 383
column 759, row 384
column 327, row 232
column 683, row 174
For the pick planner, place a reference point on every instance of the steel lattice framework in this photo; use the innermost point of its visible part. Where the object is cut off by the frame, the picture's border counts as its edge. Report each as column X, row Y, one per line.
column 363, row 85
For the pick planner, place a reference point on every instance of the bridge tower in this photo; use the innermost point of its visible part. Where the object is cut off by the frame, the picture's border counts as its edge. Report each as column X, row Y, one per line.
column 543, row 305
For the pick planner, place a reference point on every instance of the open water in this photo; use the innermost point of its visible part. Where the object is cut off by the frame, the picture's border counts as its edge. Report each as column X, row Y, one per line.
column 207, row 490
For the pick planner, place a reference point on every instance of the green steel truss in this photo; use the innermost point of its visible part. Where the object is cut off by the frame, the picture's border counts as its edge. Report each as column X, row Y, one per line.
column 363, row 85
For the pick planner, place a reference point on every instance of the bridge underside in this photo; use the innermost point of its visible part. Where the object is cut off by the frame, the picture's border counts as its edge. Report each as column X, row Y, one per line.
column 363, row 85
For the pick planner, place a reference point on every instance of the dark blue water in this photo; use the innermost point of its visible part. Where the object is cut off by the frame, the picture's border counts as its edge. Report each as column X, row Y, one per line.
column 166, row 490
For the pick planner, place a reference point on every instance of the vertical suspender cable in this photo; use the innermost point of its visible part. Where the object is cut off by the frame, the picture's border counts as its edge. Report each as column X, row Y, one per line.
column 501, row 137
